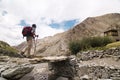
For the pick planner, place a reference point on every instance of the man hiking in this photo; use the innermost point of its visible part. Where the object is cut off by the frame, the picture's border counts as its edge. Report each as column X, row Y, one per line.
column 29, row 33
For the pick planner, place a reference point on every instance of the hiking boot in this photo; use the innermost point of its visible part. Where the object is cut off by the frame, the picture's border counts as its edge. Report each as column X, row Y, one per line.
column 32, row 55
column 22, row 54
column 28, row 56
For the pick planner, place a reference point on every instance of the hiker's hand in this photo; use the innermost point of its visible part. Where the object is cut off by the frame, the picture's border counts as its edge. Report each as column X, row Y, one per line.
column 36, row 35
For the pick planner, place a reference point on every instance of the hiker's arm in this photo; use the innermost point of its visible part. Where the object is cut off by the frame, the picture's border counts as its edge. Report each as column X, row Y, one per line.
column 34, row 35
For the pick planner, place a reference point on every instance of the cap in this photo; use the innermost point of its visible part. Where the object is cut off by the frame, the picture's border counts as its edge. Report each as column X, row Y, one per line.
column 34, row 25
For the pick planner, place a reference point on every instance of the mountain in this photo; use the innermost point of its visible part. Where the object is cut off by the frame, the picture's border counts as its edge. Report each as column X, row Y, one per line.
column 58, row 44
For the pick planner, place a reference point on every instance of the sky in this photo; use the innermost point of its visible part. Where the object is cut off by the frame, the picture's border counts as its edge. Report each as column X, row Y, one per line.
column 50, row 16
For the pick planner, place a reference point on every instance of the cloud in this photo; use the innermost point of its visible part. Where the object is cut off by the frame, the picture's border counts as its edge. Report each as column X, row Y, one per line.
column 10, row 34
column 106, row 6
column 4, row 13
column 47, row 31
column 14, row 14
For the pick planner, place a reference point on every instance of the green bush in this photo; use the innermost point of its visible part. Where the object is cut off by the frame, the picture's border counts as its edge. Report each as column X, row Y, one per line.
column 107, row 40
column 74, row 47
column 87, row 43
column 96, row 41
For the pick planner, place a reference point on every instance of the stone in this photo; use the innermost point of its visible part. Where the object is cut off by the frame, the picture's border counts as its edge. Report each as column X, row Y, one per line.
column 2, row 78
column 85, row 77
column 16, row 73
column 62, row 78
column 63, row 68
column 28, row 78
column 40, row 72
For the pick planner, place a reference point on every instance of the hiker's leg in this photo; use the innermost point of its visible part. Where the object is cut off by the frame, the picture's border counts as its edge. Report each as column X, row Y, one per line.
column 34, row 50
column 29, row 46
column 24, row 50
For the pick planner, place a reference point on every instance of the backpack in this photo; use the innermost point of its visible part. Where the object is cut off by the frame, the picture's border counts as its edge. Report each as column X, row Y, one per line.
column 27, row 31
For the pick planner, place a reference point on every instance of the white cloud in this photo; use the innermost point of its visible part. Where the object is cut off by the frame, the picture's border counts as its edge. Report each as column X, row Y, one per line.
column 43, row 12
column 47, row 31
column 106, row 6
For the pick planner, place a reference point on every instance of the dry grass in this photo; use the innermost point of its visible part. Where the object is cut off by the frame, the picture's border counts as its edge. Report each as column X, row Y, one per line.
column 114, row 44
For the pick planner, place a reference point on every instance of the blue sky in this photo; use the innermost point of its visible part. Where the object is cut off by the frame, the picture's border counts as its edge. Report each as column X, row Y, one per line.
column 23, row 23
column 50, row 16
column 66, row 25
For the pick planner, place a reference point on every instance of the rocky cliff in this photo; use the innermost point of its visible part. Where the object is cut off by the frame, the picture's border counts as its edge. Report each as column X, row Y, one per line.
column 92, row 26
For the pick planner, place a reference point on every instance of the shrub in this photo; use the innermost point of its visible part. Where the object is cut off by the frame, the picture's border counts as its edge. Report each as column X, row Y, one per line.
column 96, row 41
column 87, row 43
column 74, row 47
column 107, row 40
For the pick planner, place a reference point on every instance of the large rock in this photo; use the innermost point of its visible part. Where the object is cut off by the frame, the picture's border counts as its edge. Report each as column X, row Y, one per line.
column 17, row 72
column 40, row 72
column 63, row 70
column 2, row 78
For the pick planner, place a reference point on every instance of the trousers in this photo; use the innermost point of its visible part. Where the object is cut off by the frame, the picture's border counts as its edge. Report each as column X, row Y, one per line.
column 28, row 48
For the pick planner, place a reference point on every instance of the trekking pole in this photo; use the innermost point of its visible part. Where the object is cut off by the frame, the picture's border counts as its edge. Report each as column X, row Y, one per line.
column 35, row 41
column 34, row 46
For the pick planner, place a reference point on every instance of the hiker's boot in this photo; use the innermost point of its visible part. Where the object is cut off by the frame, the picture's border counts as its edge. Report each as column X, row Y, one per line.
column 22, row 54
column 28, row 56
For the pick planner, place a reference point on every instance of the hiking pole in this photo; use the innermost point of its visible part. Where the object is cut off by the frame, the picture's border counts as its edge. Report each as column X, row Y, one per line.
column 35, row 41
column 34, row 46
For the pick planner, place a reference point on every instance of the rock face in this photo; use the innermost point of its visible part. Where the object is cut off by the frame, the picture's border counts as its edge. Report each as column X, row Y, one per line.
column 58, row 44
column 99, row 72
column 88, row 55
column 99, row 64
column 63, row 69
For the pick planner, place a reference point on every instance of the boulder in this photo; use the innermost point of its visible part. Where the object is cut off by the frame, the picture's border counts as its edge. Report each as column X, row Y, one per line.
column 2, row 78
column 16, row 73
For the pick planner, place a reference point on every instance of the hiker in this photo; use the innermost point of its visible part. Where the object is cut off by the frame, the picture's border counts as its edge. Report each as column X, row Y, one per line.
column 29, row 33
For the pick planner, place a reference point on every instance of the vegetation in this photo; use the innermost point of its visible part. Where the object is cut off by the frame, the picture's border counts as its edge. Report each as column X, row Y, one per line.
column 6, row 49
column 74, row 47
column 88, row 43
column 114, row 44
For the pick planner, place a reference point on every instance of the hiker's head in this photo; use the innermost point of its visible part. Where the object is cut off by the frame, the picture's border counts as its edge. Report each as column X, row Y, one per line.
column 34, row 25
